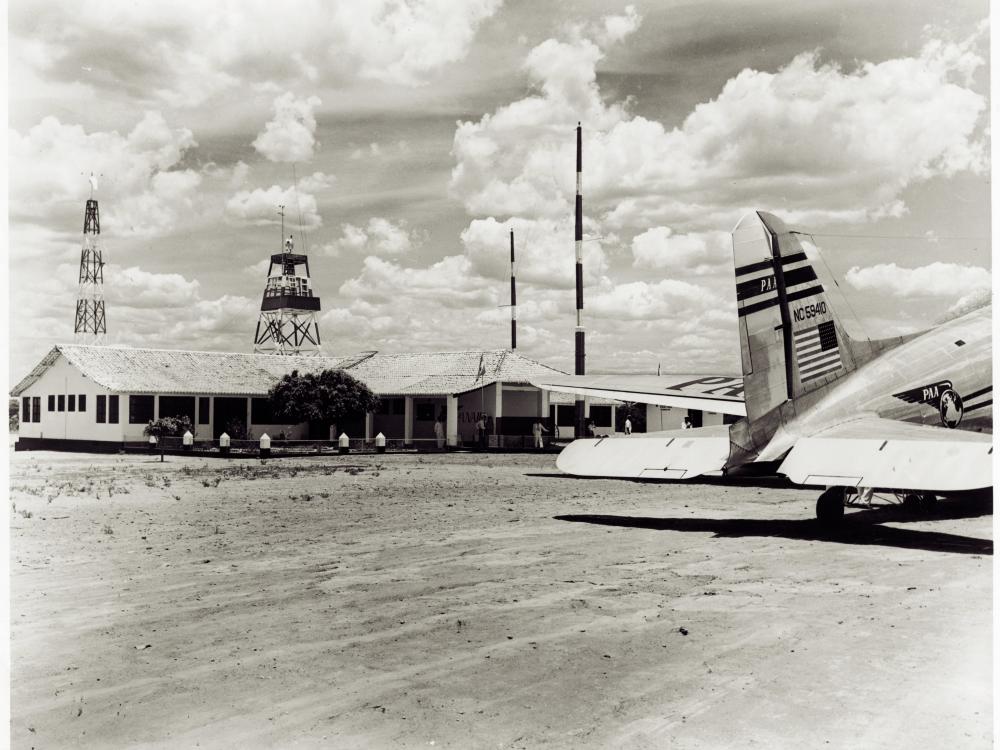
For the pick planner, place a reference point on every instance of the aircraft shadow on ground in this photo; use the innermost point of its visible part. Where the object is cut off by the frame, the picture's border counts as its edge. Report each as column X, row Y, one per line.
column 736, row 480
column 862, row 527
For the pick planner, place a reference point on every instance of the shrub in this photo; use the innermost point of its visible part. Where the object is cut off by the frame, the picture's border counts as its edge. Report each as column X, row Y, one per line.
column 169, row 427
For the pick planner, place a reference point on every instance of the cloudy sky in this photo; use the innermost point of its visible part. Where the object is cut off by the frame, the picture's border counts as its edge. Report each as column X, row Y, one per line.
column 407, row 136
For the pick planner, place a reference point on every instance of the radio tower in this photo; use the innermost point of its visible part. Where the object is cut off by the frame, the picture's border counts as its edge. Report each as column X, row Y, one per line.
column 287, row 323
column 513, row 297
column 90, row 322
column 581, row 427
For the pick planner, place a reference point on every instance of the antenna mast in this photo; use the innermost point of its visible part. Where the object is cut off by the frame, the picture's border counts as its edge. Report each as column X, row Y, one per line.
column 90, row 321
column 513, row 297
column 580, row 411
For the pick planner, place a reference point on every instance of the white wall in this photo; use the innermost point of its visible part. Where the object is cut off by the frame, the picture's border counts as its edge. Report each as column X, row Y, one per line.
column 64, row 379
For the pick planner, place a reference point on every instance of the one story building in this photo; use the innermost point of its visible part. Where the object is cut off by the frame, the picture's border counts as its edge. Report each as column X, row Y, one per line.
column 108, row 394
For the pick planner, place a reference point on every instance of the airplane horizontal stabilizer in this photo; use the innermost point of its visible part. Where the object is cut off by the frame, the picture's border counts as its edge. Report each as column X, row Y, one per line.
column 874, row 452
column 722, row 394
column 672, row 454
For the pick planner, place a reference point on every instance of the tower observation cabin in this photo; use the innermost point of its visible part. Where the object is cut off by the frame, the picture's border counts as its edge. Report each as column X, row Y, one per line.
column 287, row 323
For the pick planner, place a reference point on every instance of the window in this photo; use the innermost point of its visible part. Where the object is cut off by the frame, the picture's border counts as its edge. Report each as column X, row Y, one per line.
column 177, row 406
column 102, row 406
column 203, row 410
column 425, row 412
column 601, row 416
column 62, row 402
column 52, row 403
column 140, row 409
column 71, row 402
column 36, row 408
column 81, row 402
column 261, row 412
column 399, row 406
column 25, row 409
column 112, row 410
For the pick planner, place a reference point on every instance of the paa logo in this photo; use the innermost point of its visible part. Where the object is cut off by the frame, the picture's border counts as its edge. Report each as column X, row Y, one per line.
column 951, row 408
column 941, row 396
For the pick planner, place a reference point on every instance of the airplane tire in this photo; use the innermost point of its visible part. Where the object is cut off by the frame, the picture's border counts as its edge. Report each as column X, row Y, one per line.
column 927, row 502
column 830, row 506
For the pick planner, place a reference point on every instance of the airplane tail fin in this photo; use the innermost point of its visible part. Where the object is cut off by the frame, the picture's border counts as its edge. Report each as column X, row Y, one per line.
column 791, row 341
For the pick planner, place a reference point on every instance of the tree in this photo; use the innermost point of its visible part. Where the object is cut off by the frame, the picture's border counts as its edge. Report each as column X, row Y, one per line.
column 328, row 396
column 169, row 427
column 14, row 410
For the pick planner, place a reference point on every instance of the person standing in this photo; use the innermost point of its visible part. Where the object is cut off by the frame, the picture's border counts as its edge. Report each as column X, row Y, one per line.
column 439, row 432
column 536, row 430
column 628, row 426
column 481, row 432
column 686, row 424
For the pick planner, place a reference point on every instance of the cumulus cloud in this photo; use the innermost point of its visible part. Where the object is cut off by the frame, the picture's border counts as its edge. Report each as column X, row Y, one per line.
column 142, row 188
column 696, row 253
column 664, row 299
column 934, row 280
column 291, row 135
column 449, row 282
column 380, row 237
column 187, row 53
column 851, row 140
column 259, row 207
column 543, row 247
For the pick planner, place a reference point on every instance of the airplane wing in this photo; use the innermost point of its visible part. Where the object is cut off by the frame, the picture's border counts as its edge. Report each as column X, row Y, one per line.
column 875, row 452
column 722, row 394
column 672, row 454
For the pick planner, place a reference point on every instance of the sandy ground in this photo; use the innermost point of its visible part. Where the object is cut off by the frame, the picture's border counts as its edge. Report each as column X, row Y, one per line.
column 462, row 601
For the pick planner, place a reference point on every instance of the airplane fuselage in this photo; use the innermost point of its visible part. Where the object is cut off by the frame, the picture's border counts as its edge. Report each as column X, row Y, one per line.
column 942, row 377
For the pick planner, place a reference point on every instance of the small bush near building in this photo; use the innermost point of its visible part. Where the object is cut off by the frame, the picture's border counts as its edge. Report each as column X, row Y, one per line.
column 15, row 416
column 169, row 427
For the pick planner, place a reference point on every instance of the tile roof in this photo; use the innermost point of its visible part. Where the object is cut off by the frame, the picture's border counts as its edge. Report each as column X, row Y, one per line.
column 129, row 370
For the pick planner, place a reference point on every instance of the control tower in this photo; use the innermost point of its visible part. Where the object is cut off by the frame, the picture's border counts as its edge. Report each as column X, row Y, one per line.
column 287, row 323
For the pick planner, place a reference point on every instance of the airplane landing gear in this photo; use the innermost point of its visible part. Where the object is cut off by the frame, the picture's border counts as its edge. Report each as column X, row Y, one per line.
column 830, row 506
column 920, row 502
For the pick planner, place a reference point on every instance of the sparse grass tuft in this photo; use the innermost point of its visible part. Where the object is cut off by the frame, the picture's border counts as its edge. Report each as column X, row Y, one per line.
column 26, row 513
column 108, row 530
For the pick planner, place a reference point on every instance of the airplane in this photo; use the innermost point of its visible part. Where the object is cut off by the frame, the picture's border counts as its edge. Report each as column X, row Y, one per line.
column 908, row 415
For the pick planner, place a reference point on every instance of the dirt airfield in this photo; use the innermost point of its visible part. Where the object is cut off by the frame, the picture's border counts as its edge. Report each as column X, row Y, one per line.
column 481, row 602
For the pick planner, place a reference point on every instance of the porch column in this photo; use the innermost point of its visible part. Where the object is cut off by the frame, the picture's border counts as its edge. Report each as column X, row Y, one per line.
column 369, row 424
column 543, row 403
column 156, row 406
column 408, row 421
column 498, row 405
column 211, row 417
column 613, row 422
column 451, row 420
column 249, row 415
column 586, row 407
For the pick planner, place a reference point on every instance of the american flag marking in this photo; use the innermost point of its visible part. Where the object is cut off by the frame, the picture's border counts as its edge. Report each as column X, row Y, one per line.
column 816, row 351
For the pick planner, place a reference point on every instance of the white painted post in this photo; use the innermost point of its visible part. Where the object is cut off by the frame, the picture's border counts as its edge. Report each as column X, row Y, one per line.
column 224, row 443
column 498, row 411
column 344, row 443
column 188, row 440
column 380, row 443
column 451, row 420
column 152, row 442
column 265, row 445
column 408, row 421
column 544, row 409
